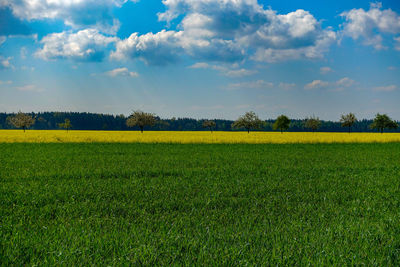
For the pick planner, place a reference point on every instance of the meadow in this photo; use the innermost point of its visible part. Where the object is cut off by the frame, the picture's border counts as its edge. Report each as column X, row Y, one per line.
column 199, row 204
column 191, row 137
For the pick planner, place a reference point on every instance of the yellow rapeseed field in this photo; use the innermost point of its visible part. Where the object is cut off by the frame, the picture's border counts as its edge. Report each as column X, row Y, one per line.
column 61, row 136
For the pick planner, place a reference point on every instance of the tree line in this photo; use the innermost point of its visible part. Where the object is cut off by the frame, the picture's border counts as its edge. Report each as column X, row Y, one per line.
column 140, row 120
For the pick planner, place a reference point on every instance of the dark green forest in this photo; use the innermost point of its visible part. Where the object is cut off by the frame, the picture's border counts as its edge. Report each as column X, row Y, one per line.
column 92, row 121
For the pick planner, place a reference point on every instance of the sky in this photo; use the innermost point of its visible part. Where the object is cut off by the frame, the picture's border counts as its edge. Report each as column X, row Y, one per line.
column 201, row 58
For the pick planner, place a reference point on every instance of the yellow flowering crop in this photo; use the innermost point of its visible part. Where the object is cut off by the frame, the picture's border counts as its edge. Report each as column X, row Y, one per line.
column 61, row 136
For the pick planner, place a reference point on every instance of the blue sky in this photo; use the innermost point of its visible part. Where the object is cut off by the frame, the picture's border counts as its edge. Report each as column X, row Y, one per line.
column 201, row 58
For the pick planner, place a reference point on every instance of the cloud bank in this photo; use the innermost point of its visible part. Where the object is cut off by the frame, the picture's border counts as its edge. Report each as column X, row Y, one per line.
column 229, row 31
column 77, row 14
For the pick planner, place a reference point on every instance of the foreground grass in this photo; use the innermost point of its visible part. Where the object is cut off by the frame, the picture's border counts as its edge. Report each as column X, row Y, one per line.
column 153, row 204
column 188, row 137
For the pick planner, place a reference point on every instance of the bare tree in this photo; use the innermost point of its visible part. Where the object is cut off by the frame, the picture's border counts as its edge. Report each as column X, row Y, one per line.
column 21, row 120
column 312, row 123
column 248, row 121
column 282, row 123
column 141, row 119
column 209, row 124
column 348, row 120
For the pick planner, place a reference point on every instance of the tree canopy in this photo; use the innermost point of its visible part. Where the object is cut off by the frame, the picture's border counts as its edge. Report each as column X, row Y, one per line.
column 382, row 122
column 21, row 120
column 92, row 121
column 209, row 124
column 312, row 123
column 348, row 120
column 141, row 119
column 249, row 121
column 282, row 123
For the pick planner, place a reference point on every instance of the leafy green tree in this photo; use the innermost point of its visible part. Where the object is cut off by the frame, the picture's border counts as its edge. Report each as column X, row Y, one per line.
column 21, row 120
column 382, row 121
column 209, row 124
column 282, row 123
column 312, row 123
column 66, row 125
column 348, row 120
column 248, row 121
column 141, row 119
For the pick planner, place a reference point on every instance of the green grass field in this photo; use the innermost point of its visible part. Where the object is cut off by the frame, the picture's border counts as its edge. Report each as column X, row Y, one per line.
column 164, row 204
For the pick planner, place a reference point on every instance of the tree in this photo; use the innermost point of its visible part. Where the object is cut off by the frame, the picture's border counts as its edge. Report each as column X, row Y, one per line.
column 348, row 120
column 163, row 125
column 282, row 123
column 21, row 120
column 248, row 121
column 141, row 119
column 66, row 125
column 312, row 123
column 383, row 121
column 209, row 124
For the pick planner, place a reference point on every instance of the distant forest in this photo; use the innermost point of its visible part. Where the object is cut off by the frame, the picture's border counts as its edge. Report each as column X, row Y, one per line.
column 92, row 121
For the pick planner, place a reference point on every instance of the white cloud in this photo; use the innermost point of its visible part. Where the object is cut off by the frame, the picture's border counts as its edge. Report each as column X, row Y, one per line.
column 388, row 88
column 23, row 52
column 155, row 49
column 201, row 65
column 316, row 84
column 345, row 82
column 239, row 73
column 5, row 82
column 340, row 84
column 369, row 25
column 229, row 31
column 27, row 68
column 397, row 45
column 325, row 70
column 5, row 63
column 85, row 45
column 75, row 13
column 2, row 39
column 392, row 68
column 121, row 72
column 29, row 88
column 250, row 85
column 230, row 71
column 286, row 86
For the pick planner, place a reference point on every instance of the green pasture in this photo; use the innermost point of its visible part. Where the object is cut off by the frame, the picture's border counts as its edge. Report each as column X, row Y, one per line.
column 170, row 204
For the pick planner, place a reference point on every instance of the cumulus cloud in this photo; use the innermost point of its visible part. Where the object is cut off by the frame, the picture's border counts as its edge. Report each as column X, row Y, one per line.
column 121, row 72
column 230, row 71
column 250, row 85
column 155, row 49
column 388, row 88
column 316, row 84
column 345, row 82
column 340, row 84
column 5, row 63
column 75, row 13
column 229, row 31
column 85, row 45
column 368, row 25
column 325, row 70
